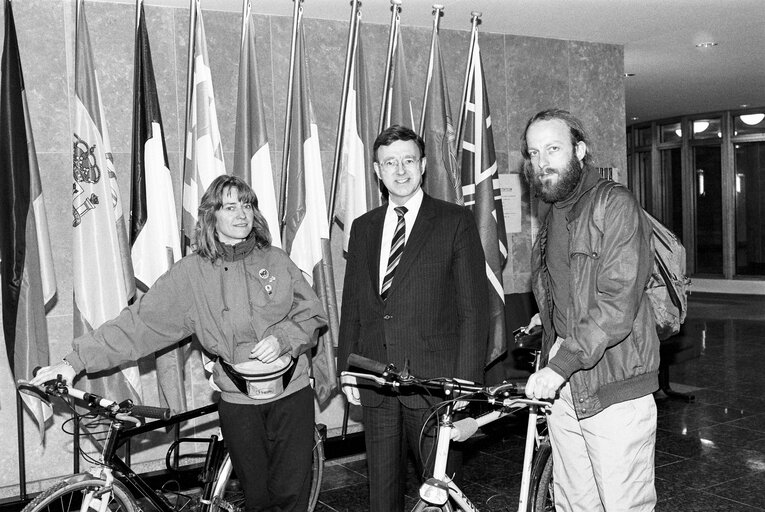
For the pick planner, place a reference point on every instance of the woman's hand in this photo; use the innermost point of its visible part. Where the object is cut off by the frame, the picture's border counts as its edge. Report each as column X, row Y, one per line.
column 267, row 350
column 535, row 320
column 47, row 373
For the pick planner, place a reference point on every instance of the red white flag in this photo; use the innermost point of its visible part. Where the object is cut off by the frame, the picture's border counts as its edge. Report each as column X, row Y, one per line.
column 306, row 230
column 252, row 158
column 359, row 190
column 204, row 152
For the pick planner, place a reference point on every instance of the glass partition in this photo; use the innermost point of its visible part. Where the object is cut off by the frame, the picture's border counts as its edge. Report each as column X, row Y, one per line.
column 748, row 124
column 670, row 132
column 750, row 208
column 708, row 190
column 706, row 128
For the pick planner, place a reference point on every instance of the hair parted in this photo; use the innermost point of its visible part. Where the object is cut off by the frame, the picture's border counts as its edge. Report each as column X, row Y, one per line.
column 575, row 126
column 205, row 233
column 397, row 132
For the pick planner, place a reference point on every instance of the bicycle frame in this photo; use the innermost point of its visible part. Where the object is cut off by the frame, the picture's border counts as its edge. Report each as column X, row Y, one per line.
column 437, row 490
column 118, row 435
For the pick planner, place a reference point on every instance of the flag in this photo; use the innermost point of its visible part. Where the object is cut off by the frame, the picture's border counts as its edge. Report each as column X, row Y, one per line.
column 154, row 236
column 252, row 159
column 480, row 188
column 102, row 270
column 398, row 110
column 442, row 179
column 204, row 152
column 359, row 190
column 306, row 230
column 26, row 261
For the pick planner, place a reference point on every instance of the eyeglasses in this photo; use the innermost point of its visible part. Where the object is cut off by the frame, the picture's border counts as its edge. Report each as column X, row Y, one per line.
column 409, row 163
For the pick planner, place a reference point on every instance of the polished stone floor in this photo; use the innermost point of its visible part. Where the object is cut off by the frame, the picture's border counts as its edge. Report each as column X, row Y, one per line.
column 710, row 453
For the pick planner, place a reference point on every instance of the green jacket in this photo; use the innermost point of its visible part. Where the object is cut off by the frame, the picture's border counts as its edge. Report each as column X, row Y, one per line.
column 226, row 304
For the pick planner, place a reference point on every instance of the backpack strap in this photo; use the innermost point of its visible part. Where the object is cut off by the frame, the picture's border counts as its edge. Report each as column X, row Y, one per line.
column 600, row 194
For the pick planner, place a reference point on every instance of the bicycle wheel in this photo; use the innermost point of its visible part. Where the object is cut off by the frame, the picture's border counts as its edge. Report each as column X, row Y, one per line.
column 228, row 495
column 89, row 495
column 541, row 496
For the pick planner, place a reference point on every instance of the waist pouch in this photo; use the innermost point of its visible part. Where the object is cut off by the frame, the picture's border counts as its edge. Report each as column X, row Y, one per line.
column 258, row 380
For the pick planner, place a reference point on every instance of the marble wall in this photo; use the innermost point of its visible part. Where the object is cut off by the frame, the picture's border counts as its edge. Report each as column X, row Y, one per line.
column 523, row 75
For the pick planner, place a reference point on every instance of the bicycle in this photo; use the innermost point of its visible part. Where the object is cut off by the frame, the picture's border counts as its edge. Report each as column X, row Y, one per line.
column 107, row 486
column 440, row 492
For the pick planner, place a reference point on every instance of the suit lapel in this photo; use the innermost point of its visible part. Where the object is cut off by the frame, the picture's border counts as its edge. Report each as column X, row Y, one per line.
column 374, row 242
column 423, row 227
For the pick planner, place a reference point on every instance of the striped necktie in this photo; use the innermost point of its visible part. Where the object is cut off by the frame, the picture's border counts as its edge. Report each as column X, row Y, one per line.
column 396, row 250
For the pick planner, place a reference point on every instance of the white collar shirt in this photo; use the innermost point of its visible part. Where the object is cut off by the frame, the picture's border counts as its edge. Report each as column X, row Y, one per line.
column 389, row 227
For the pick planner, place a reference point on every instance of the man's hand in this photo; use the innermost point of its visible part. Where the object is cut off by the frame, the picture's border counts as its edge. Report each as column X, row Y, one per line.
column 349, row 385
column 47, row 373
column 544, row 384
column 267, row 350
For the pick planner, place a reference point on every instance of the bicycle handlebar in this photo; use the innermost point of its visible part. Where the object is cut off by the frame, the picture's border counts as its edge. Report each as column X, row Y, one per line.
column 123, row 411
column 390, row 375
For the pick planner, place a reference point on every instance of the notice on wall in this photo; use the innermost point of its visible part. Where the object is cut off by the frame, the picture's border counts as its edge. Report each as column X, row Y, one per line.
column 510, row 190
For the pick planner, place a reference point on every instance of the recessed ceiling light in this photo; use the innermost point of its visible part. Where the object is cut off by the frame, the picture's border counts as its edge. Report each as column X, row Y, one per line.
column 634, row 118
column 629, row 74
column 706, row 44
column 744, row 105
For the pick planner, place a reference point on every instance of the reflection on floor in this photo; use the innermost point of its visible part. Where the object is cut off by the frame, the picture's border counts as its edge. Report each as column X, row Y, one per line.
column 710, row 454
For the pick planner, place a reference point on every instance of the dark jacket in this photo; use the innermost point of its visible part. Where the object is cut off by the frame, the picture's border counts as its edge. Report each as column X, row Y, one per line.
column 611, row 353
column 436, row 316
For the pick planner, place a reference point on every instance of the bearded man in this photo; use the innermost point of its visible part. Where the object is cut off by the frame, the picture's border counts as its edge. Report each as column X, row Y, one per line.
column 600, row 342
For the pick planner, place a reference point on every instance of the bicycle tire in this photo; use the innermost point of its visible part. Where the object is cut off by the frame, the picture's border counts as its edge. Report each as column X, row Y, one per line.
column 541, row 493
column 229, row 497
column 67, row 496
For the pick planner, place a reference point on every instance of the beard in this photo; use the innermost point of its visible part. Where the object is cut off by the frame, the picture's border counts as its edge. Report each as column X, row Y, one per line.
column 568, row 178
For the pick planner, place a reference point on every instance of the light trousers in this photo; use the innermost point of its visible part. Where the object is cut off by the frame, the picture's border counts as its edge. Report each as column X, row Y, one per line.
column 604, row 462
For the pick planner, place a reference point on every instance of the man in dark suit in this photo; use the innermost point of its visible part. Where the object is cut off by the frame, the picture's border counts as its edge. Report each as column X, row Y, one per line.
column 415, row 295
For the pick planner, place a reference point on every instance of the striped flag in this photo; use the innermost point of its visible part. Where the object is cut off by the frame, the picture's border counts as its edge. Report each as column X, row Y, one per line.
column 480, row 188
column 103, row 273
column 442, row 178
column 306, row 230
column 204, row 152
column 154, row 236
column 359, row 190
column 26, row 261
column 252, row 159
column 398, row 110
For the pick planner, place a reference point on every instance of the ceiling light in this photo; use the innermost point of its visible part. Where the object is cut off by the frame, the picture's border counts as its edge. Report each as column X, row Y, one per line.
column 700, row 126
column 634, row 118
column 679, row 132
column 752, row 119
column 706, row 44
column 627, row 75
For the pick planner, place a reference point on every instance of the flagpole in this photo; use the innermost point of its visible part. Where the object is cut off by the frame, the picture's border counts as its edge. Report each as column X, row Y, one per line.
column 189, row 85
column 353, row 34
column 246, row 7
column 189, row 70
column 475, row 21
column 296, row 15
column 438, row 11
column 395, row 10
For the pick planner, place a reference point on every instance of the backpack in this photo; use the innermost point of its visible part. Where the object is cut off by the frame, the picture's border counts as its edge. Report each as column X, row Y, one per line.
column 668, row 285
